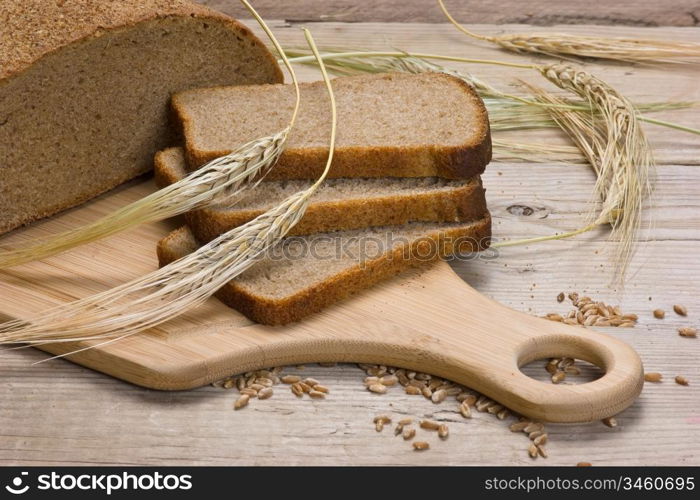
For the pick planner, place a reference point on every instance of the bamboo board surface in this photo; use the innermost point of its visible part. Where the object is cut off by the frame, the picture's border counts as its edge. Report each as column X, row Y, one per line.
column 195, row 426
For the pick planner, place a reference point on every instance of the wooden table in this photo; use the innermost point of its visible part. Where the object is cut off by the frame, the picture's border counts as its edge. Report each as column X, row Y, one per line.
column 58, row 413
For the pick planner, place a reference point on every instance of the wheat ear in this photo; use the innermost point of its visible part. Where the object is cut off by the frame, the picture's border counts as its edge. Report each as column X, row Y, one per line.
column 615, row 147
column 221, row 180
column 176, row 288
column 562, row 45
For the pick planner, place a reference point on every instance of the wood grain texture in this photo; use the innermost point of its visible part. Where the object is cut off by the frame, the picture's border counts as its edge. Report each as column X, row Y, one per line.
column 641, row 13
column 59, row 413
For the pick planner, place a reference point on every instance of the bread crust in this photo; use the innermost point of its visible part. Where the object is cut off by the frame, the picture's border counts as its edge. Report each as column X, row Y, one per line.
column 348, row 282
column 465, row 203
column 37, row 28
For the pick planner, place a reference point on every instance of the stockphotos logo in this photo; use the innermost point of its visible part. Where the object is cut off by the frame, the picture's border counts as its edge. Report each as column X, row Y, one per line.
column 18, row 487
column 106, row 483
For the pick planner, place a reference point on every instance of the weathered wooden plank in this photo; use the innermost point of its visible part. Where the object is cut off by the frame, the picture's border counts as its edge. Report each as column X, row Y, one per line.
column 59, row 413
column 540, row 12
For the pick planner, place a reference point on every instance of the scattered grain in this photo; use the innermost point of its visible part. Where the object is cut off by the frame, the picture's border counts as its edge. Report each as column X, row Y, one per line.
column 610, row 421
column 316, row 394
column 583, row 464
column 429, row 425
column 681, row 380
column 653, row 377
column 389, row 380
column 532, row 451
column 241, row 402
column 659, row 313
column 465, row 411
column 680, row 310
column 229, row 383
column 560, row 297
column 519, row 426
column 542, row 452
column 321, row 388
column 427, row 392
column 414, row 391
column 438, row 396
column 443, row 431
column 540, row 440
column 532, row 427
column 420, row 445
column 558, row 377
column 311, row 382
column 249, row 392
column 409, row 433
column 297, row 390
column 377, row 388
column 688, row 332
column 265, row 393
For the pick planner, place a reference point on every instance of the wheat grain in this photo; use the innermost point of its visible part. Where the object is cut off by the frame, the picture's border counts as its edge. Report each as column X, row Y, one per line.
column 659, row 313
column 583, row 464
column 653, row 377
column 532, row 451
column 321, row 388
column 465, row 410
column 265, row 393
column 311, row 382
column 297, row 390
column 610, row 421
column 443, row 431
column 680, row 310
column 412, row 390
column 389, row 380
column 681, row 380
column 316, row 394
column 688, row 332
column 377, row 388
column 408, row 433
column 290, row 379
column 430, row 425
column 519, row 426
column 438, row 396
column 241, row 402
column 420, row 446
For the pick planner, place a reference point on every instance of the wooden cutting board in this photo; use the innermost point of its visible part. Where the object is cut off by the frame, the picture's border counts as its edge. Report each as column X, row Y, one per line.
column 428, row 320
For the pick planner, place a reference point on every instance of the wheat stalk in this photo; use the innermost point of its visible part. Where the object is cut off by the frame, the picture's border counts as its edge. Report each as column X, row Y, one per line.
column 221, row 180
column 562, row 45
column 174, row 289
column 535, row 152
column 506, row 111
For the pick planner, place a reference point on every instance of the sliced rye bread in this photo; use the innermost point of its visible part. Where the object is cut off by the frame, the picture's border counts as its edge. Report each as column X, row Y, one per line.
column 339, row 204
column 299, row 282
column 389, row 125
column 85, row 88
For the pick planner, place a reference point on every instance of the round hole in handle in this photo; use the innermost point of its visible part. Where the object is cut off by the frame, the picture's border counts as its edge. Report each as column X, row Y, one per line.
column 586, row 372
column 596, row 356
column 604, row 397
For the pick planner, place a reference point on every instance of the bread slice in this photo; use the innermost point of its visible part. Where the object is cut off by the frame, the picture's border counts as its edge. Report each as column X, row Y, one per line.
column 339, row 204
column 389, row 125
column 312, row 272
column 85, row 88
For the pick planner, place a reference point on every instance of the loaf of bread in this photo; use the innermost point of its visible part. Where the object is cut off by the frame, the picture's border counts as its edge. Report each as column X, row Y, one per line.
column 313, row 272
column 85, row 86
column 339, row 204
column 389, row 125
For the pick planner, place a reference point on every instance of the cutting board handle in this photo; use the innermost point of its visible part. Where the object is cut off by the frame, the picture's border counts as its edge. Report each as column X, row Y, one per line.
column 431, row 321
